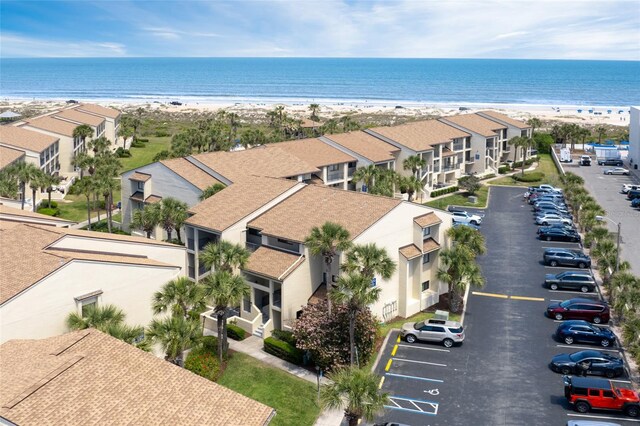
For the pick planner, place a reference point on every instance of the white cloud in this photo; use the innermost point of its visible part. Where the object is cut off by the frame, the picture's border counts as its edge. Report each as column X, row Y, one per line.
column 172, row 34
column 12, row 45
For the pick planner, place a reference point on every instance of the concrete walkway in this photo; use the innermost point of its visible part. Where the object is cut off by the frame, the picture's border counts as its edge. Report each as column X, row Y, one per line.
column 252, row 346
column 95, row 219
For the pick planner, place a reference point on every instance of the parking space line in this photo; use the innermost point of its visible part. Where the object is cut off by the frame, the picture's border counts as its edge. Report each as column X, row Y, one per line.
column 500, row 296
column 556, row 300
column 410, row 410
column 426, row 349
column 533, row 299
column 419, row 362
column 426, row 379
column 388, row 364
column 626, row 419
column 593, row 348
column 381, row 382
column 572, row 292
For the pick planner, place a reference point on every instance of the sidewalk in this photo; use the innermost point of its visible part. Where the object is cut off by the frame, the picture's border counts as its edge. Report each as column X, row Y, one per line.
column 94, row 219
column 252, row 346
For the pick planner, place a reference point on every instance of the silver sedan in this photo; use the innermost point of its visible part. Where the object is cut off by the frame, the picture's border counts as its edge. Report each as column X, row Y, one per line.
column 616, row 171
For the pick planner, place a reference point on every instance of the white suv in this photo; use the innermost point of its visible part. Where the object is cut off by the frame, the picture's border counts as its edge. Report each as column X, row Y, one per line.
column 447, row 332
column 629, row 187
column 461, row 216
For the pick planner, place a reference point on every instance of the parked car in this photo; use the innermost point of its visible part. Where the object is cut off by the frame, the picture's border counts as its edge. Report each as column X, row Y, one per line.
column 587, row 393
column 616, row 171
column 549, row 205
column 553, row 210
column 579, row 309
column 571, row 280
column 558, row 199
column 566, row 257
column 448, row 333
column 626, row 187
column 633, row 194
column 590, row 423
column 610, row 162
column 548, row 218
column 578, row 331
column 585, row 160
column 635, row 202
column 593, row 362
column 559, row 234
column 542, row 229
column 550, row 188
column 462, row 216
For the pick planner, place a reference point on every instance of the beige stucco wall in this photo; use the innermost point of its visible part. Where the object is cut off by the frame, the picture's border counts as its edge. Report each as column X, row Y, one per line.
column 65, row 149
column 41, row 310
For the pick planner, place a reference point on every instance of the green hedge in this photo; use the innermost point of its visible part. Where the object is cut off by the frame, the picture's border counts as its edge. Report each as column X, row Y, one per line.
column 203, row 363
column 48, row 211
column 285, row 336
column 489, row 176
column 210, row 344
column 529, row 177
column 236, row 333
column 136, row 144
column 503, row 169
column 143, row 140
column 123, row 153
column 443, row 191
column 283, row 350
column 45, row 204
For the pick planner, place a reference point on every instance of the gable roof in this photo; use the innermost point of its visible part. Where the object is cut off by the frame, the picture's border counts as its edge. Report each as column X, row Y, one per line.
column 314, row 152
column 9, row 155
column 25, row 139
column 294, row 217
column 410, row 251
column 53, row 125
column 366, row 145
column 28, row 216
column 273, row 263
column 139, row 176
column 427, row 219
column 503, row 118
column 237, row 201
column 476, row 124
column 80, row 117
column 99, row 110
column 89, row 377
column 259, row 161
column 420, row 135
column 190, row 172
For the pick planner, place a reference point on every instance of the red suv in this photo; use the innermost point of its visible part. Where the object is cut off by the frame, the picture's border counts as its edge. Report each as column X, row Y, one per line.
column 587, row 393
column 580, row 309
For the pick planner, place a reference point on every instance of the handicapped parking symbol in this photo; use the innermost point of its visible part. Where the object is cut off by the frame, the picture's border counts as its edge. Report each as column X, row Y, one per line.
column 433, row 392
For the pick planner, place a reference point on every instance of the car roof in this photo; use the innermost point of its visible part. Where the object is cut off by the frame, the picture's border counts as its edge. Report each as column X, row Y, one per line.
column 560, row 250
column 590, row 353
column 589, row 382
column 446, row 323
column 570, row 323
column 585, row 300
column 574, row 273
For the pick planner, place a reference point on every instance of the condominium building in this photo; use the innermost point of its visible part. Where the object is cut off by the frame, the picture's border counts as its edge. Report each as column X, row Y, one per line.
column 9, row 156
column 39, row 149
column 634, row 137
column 111, row 118
column 16, row 216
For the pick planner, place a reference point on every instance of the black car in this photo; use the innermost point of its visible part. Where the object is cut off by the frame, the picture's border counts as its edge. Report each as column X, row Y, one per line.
column 610, row 162
column 566, row 257
column 593, row 362
column 572, row 280
column 556, row 226
column 633, row 194
column 578, row 331
column 559, row 234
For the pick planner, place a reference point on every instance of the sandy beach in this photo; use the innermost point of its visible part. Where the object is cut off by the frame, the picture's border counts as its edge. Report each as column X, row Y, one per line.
column 390, row 110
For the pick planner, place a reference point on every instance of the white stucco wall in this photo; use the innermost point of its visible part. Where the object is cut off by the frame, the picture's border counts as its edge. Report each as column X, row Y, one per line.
column 634, row 137
column 65, row 149
column 41, row 310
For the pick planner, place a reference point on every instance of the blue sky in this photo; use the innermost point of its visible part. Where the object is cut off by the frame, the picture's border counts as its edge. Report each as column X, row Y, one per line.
column 592, row 29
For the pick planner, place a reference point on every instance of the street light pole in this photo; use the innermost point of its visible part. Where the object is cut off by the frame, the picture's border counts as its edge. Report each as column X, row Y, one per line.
column 618, row 248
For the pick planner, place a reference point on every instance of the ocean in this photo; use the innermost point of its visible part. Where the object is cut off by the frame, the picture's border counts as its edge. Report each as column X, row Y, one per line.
column 415, row 81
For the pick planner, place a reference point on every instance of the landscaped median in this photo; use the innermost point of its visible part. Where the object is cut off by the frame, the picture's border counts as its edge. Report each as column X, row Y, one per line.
column 545, row 172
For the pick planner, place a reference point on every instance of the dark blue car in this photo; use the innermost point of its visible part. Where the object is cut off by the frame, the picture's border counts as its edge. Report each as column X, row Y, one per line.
column 593, row 362
column 578, row 331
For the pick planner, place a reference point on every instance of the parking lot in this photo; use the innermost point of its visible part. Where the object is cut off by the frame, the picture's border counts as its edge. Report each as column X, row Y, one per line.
column 606, row 190
column 500, row 374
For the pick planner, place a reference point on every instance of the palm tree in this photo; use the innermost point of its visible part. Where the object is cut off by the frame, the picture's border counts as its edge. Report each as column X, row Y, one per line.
column 36, row 182
column 327, row 241
column 224, row 256
column 173, row 213
column 595, row 235
column 631, row 331
column 367, row 175
column 468, row 237
column 84, row 161
column 99, row 146
column 355, row 291
column 253, row 137
column 181, row 296
column 82, row 132
column 369, row 260
column 572, row 178
column 601, row 131
column 130, row 334
column 107, row 185
column 386, row 182
column 411, row 185
column 621, row 285
column 24, row 173
column 606, row 254
column 414, row 163
column 224, row 290
column 8, row 184
column 315, row 109
column 330, row 126
column 348, row 123
column 355, row 391
column 582, row 134
column 535, row 123
column 175, row 334
column 520, row 142
column 459, row 270
column 99, row 317
column 211, row 191
column 85, row 186
column 146, row 219
column 47, row 182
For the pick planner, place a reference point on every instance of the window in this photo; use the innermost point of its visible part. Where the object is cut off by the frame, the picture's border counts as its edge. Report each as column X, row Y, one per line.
column 607, row 394
column 87, row 305
column 334, row 167
column 140, row 185
column 425, row 285
column 580, row 391
column 436, row 329
column 425, row 258
column 352, row 164
column 426, row 231
column 594, row 392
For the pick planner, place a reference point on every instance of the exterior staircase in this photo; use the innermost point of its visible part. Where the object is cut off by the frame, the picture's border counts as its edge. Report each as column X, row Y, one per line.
column 259, row 332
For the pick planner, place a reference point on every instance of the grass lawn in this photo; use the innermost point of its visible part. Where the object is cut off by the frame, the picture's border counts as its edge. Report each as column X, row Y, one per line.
column 461, row 200
column 420, row 316
column 74, row 207
column 294, row 399
column 546, row 166
column 142, row 156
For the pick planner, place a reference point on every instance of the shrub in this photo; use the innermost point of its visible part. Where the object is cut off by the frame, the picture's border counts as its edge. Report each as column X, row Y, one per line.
column 236, row 333
column 285, row 336
column 543, row 142
column 529, row 161
column 443, row 191
column 471, row 184
column 162, row 155
column 49, row 212
column 143, row 140
column 210, row 344
column 136, row 144
column 503, row 169
column 161, row 133
column 122, row 153
column 45, row 204
column 529, row 177
column 489, row 176
column 203, row 363
column 283, row 350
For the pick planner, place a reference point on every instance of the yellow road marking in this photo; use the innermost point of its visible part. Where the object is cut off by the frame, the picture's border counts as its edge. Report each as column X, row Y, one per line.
column 398, row 340
column 533, row 299
column 381, row 382
column 499, row 296
column 388, row 365
column 393, row 352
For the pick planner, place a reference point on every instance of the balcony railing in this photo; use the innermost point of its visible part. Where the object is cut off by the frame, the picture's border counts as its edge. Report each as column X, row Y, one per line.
column 436, row 168
column 337, row 175
column 190, row 243
column 449, row 167
column 458, row 146
column 351, row 171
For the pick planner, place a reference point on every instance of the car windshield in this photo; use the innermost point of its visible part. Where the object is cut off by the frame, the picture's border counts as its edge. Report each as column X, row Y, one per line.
column 577, row 356
column 565, row 304
column 455, row 330
column 418, row 325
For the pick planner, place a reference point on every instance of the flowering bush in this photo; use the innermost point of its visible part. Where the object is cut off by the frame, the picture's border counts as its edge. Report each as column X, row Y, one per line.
column 327, row 337
column 204, row 363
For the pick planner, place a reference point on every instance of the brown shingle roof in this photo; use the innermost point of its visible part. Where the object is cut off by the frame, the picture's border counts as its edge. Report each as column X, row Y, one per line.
column 475, row 123
column 9, row 155
column 430, row 245
column 272, row 263
column 314, row 205
column 26, row 214
column 421, row 135
column 364, row 144
column 192, row 173
column 259, row 161
column 152, row 199
column 313, row 151
column 80, row 117
column 427, row 219
column 237, row 201
column 505, row 119
column 139, row 176
column 25, row 139
column 88, row 377
column 99, row 110
column 410, row 252
column 53, row 125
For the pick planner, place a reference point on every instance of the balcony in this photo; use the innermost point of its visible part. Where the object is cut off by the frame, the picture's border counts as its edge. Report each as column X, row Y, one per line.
column 351, row 171
column 458, row 146
column 450, row 167
column 436, row 168
column 335, row 175
column 190, row 244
